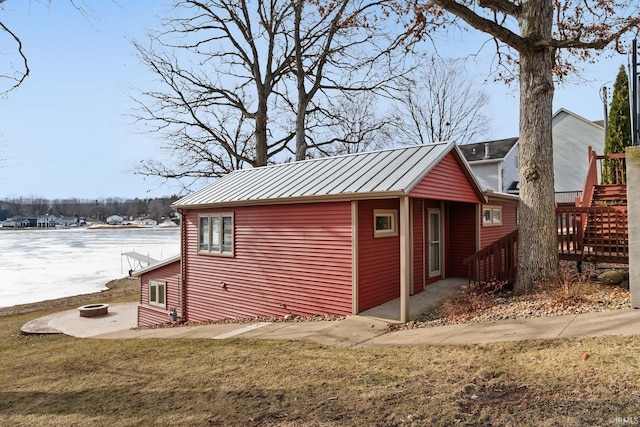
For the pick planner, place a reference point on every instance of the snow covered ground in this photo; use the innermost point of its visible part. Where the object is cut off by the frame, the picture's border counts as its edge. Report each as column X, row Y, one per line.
column 37, row 265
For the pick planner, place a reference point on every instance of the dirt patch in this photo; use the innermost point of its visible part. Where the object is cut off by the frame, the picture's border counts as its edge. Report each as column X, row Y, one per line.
column 117, row 287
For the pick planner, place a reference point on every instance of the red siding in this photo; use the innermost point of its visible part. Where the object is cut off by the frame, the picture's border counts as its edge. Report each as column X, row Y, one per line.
column 460, row 237
column 378, row 258
column 152, row 315
column 446, row 181
column 418, row 246
column 489, row 234
column 287, row 259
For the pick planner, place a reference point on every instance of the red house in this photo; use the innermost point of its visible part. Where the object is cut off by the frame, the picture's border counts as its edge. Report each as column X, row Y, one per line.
column 335, row 235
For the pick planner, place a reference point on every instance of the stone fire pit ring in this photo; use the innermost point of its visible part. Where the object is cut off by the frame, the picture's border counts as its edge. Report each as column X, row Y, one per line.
column 93, row 310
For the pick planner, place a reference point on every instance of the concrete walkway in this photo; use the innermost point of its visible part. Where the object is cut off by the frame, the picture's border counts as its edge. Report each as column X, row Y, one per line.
column 369, row 329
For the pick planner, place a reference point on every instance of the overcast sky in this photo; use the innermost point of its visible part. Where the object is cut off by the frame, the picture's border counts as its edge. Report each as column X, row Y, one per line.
column 66, row 132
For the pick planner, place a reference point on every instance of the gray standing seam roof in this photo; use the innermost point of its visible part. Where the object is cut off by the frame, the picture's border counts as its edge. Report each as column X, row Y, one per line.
column 395, row 170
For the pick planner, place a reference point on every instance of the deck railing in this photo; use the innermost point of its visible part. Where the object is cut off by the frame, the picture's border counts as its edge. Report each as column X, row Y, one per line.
column 597, row 234
column 613, row 168
column 495, row 265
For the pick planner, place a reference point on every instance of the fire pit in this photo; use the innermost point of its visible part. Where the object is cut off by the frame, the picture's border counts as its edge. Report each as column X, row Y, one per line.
column 93, row 310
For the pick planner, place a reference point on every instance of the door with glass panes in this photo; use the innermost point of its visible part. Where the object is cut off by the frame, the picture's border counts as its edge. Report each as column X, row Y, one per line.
column 434, row 245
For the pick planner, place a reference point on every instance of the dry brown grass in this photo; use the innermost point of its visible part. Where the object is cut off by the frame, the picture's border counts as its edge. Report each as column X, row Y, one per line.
column 62, row 381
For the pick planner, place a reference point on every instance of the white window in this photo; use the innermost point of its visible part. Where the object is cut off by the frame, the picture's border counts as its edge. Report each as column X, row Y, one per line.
column 491, row 215
column 215, row 234
column 384, row 223
column 158, row 293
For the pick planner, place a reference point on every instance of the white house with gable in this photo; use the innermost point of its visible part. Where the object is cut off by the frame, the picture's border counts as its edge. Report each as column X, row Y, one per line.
column 495, row 163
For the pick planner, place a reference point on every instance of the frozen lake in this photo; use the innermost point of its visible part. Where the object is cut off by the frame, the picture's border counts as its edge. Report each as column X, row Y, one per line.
column 37, row 265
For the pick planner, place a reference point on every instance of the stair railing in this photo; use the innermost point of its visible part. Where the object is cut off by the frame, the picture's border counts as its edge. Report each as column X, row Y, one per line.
column 495, row 265
column 590, row 181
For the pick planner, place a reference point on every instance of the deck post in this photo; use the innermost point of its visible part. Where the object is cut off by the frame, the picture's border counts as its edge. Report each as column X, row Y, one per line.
column 633, row 204
column 405, row 258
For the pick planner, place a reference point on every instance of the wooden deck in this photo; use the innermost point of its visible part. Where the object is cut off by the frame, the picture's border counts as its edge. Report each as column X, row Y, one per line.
column 596, row 229
column 595, row 234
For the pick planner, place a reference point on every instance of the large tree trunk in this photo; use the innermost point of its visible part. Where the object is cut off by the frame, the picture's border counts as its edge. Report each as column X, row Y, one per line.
column 261, row 133
column 301, row 140
column 537, row 247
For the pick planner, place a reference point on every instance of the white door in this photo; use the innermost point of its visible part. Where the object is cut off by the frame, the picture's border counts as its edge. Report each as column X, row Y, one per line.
column 434, row 228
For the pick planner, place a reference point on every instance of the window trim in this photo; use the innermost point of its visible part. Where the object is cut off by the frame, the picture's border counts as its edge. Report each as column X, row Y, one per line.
column 392, row 214
column 493, row 210
column 157, row 284
column 220, row 251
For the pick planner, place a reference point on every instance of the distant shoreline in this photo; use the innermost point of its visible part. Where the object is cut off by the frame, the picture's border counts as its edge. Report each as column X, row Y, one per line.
column 116, row 287
column 96, row 227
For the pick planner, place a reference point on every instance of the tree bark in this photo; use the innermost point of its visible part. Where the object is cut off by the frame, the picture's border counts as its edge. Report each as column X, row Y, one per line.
column 301, row 143
column 537, row 249
column 262, row 149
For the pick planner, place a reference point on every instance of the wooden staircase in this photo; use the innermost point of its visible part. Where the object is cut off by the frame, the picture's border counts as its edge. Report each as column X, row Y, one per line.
column 597, row 228
column 609, row 195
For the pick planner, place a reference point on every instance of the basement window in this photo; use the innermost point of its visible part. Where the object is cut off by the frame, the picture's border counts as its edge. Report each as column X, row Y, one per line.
column 384, row 223
column 491, row 215
column 158, row 293
column 215, row 234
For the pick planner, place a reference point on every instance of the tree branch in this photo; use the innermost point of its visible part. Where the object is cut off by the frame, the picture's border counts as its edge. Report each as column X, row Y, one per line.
column 504, row 6
column 485, row 25
column 23, row 74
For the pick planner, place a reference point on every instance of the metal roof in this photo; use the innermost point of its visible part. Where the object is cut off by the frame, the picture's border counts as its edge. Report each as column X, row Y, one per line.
column 385, row 171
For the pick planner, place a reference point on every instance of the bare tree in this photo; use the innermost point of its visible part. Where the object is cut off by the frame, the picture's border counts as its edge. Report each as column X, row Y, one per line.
column 240, row 81
column 350, row 125
column 17, row 68
column 340, row 48
column 219, row 63
column 16, row 74
column 440, row 103
column 532, row 34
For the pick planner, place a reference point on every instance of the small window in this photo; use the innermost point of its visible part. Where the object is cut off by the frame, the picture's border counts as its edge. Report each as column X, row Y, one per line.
column 491, row 215
column 384, row 223
column 158, row 293
column 215, row 234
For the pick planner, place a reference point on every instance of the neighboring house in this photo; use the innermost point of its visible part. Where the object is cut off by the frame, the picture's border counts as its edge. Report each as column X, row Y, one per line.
column 20, row 222
column 48, row 221
column 335, row 235
column 115, row 220
column 494, row 163
column 572, row 137
column 17, row 222
column 66, row 221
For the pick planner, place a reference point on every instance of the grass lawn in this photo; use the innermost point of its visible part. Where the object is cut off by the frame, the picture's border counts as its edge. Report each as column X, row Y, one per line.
column 60, row 380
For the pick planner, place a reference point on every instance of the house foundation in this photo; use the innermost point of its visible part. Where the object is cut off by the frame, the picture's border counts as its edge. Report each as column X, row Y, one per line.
column 633, row 187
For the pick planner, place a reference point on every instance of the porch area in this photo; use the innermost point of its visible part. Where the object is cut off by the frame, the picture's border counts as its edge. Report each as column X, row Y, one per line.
column 430, row 298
